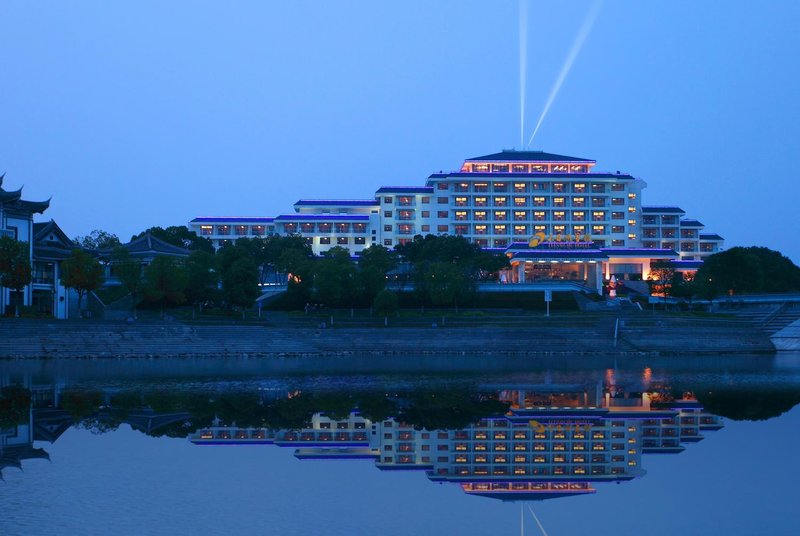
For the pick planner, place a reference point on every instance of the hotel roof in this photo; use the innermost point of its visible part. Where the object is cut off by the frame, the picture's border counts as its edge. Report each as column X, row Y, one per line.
column 710, row 236
column 665, row 209
column 691, row 223
column 214, row 219
column 337, row 202
column 511, row 155
column 405, row 190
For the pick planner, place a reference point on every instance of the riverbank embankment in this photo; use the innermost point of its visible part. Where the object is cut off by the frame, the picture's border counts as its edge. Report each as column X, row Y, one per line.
column 20, row 339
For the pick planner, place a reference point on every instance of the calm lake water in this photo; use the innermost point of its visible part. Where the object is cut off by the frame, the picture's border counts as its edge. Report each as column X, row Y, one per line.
column 367, row 445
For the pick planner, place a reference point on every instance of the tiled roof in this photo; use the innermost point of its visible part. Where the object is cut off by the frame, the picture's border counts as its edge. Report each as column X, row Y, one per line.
column 149, row 244
column 691, row 223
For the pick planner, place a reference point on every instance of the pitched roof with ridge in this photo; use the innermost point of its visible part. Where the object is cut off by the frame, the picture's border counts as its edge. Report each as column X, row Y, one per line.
column 13, row 200
column 150, row 245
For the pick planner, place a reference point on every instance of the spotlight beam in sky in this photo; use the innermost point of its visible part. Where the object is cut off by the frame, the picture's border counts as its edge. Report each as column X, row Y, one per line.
column 583, row 33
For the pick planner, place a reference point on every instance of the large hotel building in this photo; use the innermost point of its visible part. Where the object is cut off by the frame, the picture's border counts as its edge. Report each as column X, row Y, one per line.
column 554, row 216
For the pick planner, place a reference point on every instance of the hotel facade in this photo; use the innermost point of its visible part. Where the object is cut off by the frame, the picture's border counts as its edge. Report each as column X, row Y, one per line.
column 554, row 216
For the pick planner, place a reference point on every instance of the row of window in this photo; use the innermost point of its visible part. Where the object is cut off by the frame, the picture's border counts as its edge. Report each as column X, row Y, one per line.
column 649, row 219
column 325, row 227
column 535, row 215
column 521, row 229
column 537, row 201
column 236, row 230
column 524, row 187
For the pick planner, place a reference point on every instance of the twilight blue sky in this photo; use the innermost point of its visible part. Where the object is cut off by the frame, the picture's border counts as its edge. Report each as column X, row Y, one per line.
column 132, row 114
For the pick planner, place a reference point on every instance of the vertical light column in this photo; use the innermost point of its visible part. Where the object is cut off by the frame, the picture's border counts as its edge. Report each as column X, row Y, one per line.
column 521, row 272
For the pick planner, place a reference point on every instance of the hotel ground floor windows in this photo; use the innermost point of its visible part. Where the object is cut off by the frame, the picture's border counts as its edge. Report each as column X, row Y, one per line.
column 629, row 271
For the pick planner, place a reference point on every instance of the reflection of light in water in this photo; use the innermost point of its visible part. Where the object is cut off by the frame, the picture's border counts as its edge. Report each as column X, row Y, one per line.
column 647, row 376
column 523, row 61
column 583, row 33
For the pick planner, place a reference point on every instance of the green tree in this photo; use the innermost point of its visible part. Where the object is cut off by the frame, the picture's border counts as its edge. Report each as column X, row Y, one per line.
column 385, row 304
column 334, row 278
column 98, row 239
column 374, row 264
column 202, row 277
column 165, row 281
column 129, row 272
column 82, row 273
column 15, row 267
column 661, row 278
column 445, row 283
column 240, row 282
column 742, row 270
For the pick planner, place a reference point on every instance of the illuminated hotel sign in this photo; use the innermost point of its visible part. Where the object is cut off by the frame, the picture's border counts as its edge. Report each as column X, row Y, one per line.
column 559, row 240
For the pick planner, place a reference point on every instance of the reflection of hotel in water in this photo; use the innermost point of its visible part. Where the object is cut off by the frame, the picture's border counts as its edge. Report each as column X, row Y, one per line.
column 554, row 441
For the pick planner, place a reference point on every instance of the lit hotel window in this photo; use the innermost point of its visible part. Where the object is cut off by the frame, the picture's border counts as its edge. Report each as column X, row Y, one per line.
column 405, row 201
column 631, row 195
column 481, row 186
column 359, row 227
column 520, row 187
column 500, row 187
column 559, row 229
column 539, row 168
column 500, row 201
column 500, row 215
column 499, row 229
column 480, row 215
column 223, row 229
column 500, row 168
column 521, row 215
column 520, row 201
column 257, row 230
column 461, row 215
column 206, row 230
column 342, row 227
column 480, row 201
column 341, row 240
column 325, row 240
column 579, row 229
column 480, row 168
column 558, row 202
column 462, row 187
column 539, row 215
column 631, row 209
column 480, row 229
column 306, row 227
column 522, row 230
column 540, row 229
column 632, row 236
column 598, row 216
column 599, row 229
column 405, row 214
column 559, row 215
column 538, row 201
column 578, row 201
column 579, row 188
column 578, row 215
column 558, row 187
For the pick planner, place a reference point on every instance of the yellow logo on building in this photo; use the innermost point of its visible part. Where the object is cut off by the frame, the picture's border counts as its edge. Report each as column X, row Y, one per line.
column 541, row 238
